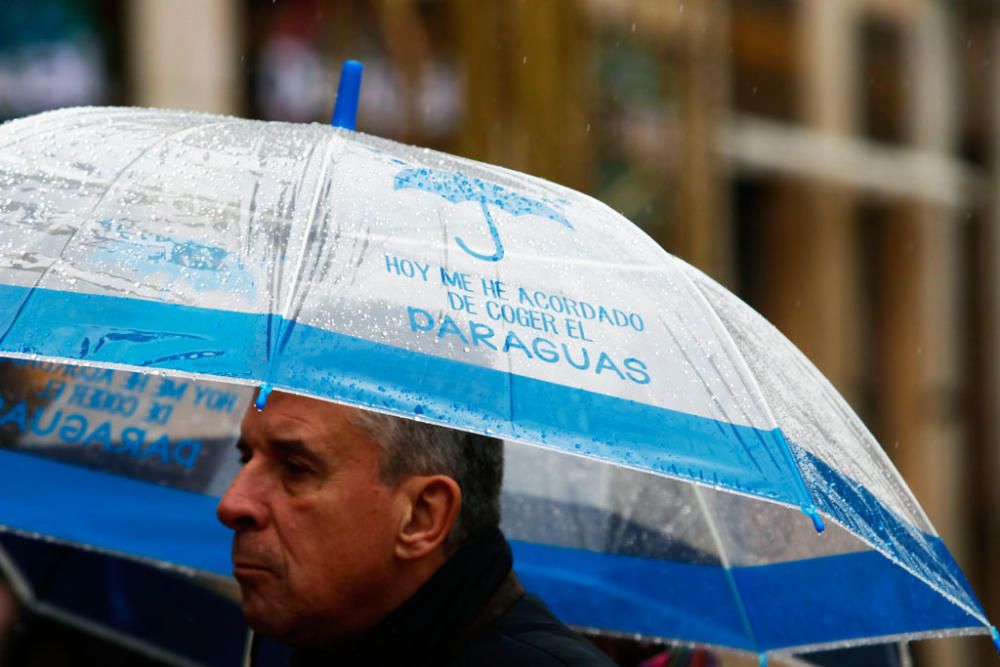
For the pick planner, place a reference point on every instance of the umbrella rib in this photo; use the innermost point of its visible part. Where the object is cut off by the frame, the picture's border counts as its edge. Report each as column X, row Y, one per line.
column 694, row 368
column 808, row 505
column 509, row 376
column 786, row 450
column 18, row 582
column 727, row 568
column 277, row 275
column 685, row 272
column 285, row 324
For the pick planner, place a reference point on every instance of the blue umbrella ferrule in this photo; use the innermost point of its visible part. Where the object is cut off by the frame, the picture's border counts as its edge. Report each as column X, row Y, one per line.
column 811, row 512
column 345, row 109
column 262, row 394
column 996, row 637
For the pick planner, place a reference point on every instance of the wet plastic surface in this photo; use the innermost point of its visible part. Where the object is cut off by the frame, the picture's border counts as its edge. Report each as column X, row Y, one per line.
column 322, row 261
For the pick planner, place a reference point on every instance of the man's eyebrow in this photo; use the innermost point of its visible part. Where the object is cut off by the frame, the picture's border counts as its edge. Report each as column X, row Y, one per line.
column 294, row 447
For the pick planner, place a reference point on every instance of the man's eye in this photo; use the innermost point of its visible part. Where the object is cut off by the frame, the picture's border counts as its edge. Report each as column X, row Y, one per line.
column 294, row 468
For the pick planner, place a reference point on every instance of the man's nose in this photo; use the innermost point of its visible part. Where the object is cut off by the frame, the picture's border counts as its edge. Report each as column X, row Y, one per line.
column 241, row 508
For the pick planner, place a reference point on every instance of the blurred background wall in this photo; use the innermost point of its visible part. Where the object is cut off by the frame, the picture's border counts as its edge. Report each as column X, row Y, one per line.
column 834, row 162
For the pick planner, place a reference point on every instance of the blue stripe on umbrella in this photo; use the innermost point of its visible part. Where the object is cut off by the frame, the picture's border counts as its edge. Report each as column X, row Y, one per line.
column 632, row 594
column 227, row 344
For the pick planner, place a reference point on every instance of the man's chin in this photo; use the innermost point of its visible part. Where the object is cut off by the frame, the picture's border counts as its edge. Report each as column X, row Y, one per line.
column 264, row 621
column 290, row 629
column 289, row 633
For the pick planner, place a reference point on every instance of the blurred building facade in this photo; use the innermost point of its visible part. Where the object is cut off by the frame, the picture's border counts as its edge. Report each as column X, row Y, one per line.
column 835, row 163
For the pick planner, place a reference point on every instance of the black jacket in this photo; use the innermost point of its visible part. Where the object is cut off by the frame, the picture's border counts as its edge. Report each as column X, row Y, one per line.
column 472, row 613
column 528, row 634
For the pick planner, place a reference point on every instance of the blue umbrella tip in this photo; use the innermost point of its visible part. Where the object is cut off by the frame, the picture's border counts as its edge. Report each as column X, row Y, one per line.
column 763, row 660
column 262, row 394
column 811, row 512
column 996, row 637
column 345, row 109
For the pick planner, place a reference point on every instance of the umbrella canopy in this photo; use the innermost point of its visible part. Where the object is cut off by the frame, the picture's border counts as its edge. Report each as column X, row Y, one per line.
column 125, row 602
column 337, row 265
column 546, row 500
column 169, row 617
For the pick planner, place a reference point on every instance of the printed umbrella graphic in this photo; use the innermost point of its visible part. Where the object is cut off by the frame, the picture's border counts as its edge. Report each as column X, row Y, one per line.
column 457, row 188
column 295, row 257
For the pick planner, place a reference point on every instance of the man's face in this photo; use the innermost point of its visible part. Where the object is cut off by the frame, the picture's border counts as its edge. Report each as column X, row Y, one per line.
column 314, row 524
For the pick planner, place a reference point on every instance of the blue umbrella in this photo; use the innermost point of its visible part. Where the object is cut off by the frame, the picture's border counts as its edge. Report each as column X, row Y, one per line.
column 178, row 619
column 321, row 261
column 167, row 616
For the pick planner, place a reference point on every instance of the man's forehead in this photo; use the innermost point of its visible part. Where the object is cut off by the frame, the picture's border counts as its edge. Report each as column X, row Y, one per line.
column 293, row 415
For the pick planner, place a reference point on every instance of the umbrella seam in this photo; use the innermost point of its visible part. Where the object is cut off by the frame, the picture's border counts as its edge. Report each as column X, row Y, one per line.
column 730, row 580
column 971, row 611
column 701, row 377
column 752, row 378
column 18, row 582
column 806, row 364
column 285, row 310
column 951, row 598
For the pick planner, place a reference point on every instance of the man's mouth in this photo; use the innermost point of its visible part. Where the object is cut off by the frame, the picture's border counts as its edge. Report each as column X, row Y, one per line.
column 249, row 563
column 250, row 559
column 246, row 565
column 244, row 570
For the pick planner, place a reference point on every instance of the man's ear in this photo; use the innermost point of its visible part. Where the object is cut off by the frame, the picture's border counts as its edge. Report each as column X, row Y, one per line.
column 433, row 505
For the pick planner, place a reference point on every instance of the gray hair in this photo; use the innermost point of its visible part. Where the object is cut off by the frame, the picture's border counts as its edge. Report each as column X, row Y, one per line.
column 474, row 461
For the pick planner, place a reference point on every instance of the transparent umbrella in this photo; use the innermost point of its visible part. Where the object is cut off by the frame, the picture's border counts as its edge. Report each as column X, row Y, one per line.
column 322, row 261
